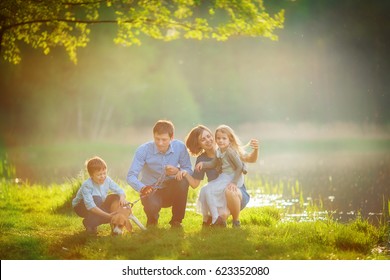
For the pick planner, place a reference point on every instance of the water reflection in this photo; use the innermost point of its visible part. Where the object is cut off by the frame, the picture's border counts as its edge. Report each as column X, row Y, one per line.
column 298, row 211
column 341, row 186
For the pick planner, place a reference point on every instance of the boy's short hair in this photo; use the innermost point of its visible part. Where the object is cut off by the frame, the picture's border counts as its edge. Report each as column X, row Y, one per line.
column 164, row 126
column 95, row 164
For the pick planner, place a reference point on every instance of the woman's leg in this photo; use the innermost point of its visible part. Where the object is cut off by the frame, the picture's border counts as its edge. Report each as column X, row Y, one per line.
column 210, row 201
column 203, row 207
column 224, row 213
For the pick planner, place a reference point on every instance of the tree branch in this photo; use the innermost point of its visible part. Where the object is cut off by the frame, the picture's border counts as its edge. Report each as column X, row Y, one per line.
column 60, row 20
column 83, row 3
column 150, row 21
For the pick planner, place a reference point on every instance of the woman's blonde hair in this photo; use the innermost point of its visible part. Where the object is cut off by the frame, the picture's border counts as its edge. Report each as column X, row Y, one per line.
column 235, row 142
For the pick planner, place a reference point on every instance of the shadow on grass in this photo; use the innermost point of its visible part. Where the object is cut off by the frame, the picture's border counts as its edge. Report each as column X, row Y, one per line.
column 24, row 248
column 150, row 244
column 157, row 244
column 220, row 244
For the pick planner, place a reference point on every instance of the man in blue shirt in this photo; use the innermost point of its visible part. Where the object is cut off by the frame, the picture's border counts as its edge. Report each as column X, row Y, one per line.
column 154, row 173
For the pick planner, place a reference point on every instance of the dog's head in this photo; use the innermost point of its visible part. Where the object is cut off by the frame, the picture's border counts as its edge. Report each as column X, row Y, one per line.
column 119, row 222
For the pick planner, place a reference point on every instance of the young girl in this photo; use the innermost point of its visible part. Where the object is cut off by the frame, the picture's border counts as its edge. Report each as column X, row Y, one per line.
column 212, row 198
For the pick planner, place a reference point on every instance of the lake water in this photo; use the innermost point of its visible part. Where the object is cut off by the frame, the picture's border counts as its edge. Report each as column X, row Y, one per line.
column 343, row 184
column 343, row 177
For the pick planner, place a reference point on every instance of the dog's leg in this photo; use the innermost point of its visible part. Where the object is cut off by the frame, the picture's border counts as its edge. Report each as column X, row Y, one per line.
column 134, row 218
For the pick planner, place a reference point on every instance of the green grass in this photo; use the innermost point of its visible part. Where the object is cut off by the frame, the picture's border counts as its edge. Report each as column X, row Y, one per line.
column 37, row 222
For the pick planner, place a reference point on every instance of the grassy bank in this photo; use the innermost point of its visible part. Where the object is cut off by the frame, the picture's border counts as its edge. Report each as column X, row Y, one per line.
column 37, row 222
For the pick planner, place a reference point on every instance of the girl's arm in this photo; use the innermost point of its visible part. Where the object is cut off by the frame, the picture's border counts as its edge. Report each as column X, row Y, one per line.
column 194, row 183
column 210, row 164
column 236, row 163
column 252, row 157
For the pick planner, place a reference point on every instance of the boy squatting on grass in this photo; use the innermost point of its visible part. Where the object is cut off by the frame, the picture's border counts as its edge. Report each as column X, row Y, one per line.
column 92, row 202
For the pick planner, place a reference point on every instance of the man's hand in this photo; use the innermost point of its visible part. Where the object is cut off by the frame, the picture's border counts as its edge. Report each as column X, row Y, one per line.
column 145, row 191
column 180, row 175
column 171, row 170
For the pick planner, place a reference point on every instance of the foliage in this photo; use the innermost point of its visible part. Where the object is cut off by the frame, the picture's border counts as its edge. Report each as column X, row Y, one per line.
column 7, row 170
column 47, row 24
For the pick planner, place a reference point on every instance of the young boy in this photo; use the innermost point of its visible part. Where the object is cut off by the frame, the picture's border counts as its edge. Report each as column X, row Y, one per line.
column 92, row 201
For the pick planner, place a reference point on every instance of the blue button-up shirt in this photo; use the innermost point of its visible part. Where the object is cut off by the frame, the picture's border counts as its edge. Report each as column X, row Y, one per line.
column 148, row 166
column 89, row 189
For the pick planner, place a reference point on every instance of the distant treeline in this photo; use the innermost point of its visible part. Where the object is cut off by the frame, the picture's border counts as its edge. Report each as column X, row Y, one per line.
column 330, row 64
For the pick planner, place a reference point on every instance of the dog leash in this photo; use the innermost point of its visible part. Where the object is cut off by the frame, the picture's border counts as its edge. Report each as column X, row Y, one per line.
column 155, row 187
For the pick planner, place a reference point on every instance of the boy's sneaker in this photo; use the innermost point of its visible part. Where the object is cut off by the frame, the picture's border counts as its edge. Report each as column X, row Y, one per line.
column 236, row 224
column 90, row 230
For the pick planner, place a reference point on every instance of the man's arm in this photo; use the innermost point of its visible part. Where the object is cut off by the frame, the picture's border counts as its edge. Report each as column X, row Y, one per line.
column 135, row 170
column 184, row 160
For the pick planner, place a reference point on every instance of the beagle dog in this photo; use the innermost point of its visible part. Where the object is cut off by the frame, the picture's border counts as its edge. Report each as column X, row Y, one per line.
column 120, row 221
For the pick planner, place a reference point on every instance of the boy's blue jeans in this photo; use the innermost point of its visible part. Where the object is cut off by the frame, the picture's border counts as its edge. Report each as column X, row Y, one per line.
column 90, row 219
column 173, row 194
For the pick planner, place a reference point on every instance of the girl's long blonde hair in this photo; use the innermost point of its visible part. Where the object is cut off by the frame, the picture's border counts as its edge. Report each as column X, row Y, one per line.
column 235, row 142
